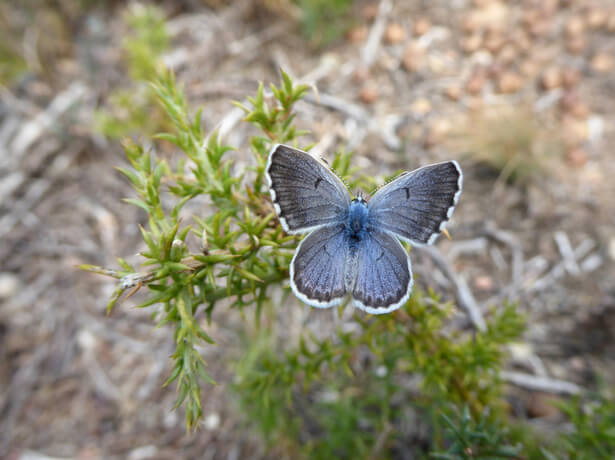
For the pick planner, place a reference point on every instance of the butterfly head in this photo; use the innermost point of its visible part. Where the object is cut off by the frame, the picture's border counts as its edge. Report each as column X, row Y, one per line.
column 359, row 198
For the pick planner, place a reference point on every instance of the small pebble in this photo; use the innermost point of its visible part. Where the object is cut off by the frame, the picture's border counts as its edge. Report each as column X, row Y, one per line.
column 472, row 43
column 9, row 285
column 368, row 94
column 570, row 78
column 421, row 106
column 453, row 93
column 509, row 82
column 576, row 157
column 494, row 42
column 212, row 421
column 413, row 58
column 602, row 63
column 612, row 248
column 574, row 27
column 394, row 34
column 370, row 11
column 576, row 44
column 508, row 54
column 542, row 405
column 476, row 83
column 483, row 283
column 357, row 34
column 596, row 18
column 421, row 26
column 551, row 78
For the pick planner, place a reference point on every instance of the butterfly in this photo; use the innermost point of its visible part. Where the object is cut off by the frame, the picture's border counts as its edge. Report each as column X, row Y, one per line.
column 352, row 245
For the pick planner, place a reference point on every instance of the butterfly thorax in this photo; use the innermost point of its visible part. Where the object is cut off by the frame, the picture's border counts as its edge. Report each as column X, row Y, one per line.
column 357, row 219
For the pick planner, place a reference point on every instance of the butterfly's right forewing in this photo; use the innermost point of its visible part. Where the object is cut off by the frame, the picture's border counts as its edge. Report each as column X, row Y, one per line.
column 417, row 205
column 305, row 193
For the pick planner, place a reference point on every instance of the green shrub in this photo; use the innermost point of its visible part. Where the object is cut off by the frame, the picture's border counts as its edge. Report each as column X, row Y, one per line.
column 324, row 21
column 134, row 109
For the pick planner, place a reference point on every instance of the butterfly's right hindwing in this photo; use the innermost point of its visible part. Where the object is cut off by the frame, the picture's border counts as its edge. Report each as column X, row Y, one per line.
column 305, row 193
column 384, row 276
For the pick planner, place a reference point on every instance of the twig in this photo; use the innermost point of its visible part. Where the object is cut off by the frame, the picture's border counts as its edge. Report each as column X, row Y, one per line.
column 35, row 128
column 99, row 379
column 35, row 193
column 532, row 382
column 472, row 246
column 464, row 295
column 565, row 249
column 559, row 270
column 370, row 50
column 389, row 131
column 510, row 240
column 348, row 108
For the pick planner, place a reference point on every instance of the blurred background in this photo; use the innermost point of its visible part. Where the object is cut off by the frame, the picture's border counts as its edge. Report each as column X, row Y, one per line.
column 520, row 92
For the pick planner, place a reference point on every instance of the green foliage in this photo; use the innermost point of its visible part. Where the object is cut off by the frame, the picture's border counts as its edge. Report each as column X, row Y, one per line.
column 283, row 393
column 12, row 64
column 148, row 41
column 475, row 439
column 324, row 21
column 134, row 109
column 593, row 435
column 244, row 251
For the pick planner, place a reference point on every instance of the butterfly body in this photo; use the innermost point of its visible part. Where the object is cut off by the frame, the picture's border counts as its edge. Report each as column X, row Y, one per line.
column 352, row 246
column 356, row 225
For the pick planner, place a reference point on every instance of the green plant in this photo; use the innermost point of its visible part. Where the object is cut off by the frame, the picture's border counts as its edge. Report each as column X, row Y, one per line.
column 324, row 21
column 475, row 439
column 243, row 250
column 593, row 434
column 134, row 109
column 282, row 392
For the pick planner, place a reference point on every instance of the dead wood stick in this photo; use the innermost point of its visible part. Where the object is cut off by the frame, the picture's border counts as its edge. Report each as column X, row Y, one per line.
column 532, row 382
column 347, row 108
column 35, row 128
column 559, row 269
column 464, row 295
column 370, row 50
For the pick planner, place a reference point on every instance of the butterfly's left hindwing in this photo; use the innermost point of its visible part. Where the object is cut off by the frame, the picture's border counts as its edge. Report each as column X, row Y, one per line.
column 305, row 193
column 317, row 269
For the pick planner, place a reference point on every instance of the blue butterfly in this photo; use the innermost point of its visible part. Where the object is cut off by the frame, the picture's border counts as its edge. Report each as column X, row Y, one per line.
column 352, row 247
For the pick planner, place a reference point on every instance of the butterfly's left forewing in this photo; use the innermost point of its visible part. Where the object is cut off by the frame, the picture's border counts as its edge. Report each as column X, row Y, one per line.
column 417, row 205
column 305, row 193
